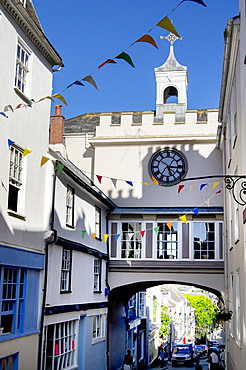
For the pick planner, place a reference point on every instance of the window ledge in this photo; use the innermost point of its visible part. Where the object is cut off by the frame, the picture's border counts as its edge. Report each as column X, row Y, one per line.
column 21, row 95
column 70, row 226
column 16, row 215
column 97, row 340
column 97, row 291
column 65, row 291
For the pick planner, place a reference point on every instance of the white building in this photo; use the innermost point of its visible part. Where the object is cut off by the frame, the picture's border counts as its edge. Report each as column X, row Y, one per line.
column 27, row 63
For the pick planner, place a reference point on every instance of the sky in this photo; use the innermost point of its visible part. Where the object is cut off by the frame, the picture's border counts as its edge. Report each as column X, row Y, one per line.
column 86, row 33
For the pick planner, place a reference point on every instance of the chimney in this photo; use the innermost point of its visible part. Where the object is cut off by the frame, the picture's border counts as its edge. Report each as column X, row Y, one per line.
column 57, row 126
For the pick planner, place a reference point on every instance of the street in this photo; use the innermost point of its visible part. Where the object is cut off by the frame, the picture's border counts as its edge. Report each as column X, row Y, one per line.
column 203, row 362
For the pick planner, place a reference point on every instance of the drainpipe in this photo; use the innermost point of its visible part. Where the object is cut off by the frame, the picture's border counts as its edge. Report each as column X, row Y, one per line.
column 50, row 238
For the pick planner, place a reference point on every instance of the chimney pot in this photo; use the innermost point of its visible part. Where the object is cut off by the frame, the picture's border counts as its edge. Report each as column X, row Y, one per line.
column 58, row 110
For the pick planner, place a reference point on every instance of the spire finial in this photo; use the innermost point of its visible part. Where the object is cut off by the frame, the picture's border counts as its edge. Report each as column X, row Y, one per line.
column 171, row 38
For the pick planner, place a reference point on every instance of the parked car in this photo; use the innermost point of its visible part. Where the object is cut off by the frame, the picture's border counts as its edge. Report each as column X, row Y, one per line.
column 201, row 350
column 182, row 355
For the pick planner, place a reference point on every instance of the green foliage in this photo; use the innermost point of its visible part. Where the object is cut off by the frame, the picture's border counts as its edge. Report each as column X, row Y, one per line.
column 205, row 313
column 165, row 323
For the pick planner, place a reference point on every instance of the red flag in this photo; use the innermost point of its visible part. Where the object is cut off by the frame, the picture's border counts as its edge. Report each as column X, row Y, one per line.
column 180, row 188
column 99, row 178
column 142, row 232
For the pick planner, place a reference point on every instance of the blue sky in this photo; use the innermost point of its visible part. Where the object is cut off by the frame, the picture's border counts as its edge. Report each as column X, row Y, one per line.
column 87, row 32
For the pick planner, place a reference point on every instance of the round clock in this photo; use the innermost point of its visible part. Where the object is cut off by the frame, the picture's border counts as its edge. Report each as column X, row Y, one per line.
column 168, row 166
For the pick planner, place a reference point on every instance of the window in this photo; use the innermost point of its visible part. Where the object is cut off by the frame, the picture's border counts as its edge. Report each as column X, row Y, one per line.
column 66, row 270
column 167, row 241
column 15, row 177
column 22, row 68
column 142, row 303
column 131, row 245
column 98, row 222
column 59, row 346
column 98, row 326
column 204, row 240
column 70, row 207
column 97, row 275
column 12, row 284
column 9, row 362
column 154, row 308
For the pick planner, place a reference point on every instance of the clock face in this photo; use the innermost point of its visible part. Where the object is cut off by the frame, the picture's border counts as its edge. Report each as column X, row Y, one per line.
column 168, row 166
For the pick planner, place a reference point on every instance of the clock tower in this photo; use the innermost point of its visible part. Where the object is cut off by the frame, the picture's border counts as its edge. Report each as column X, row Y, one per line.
column 171, row 85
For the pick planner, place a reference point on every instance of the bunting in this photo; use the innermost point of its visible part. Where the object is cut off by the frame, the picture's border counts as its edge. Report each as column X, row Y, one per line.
column 60, row 167
column 180, row 188
column 99, row 178
column 27, row 151
column 149, row 39
column 126, row 57
column 43, row 160
column 184, row 219
column 83, row 232
column 197, row 1
column 167, row 25
column 90, row 80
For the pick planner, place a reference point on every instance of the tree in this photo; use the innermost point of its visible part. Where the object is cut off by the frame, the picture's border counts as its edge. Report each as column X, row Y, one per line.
column 205, row 313
column 165, row 323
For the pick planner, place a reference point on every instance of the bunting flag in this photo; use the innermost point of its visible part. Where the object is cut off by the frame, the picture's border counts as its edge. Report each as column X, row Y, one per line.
column 197, row 1
column 183, row 218
column 192, row 187
column 8, row 107
column 106, row 62
column 155, row 182
column 215, row 184
column 126, row 57
column 10, row 142
column 3, row 114
column 167, row 25
column 27, row 151
column 195, row 210
column 117, row 236
column 43, row 160
column 114, row 181
column 145, row 183
column 83, row 232
column 142, row 233
column 93, row 235
column 60, row 97
column 202, row 186
column 129, row 183
column 149, row 39
column 105, row 237
column 75, row 83
column 180, row 188
column 90, row 80
column 156, row 229
column 60, row 167
column 207, row 201
column 99, row 178
column 169, row 225
column 218, row 192
column 46, row 97
column 19, row 106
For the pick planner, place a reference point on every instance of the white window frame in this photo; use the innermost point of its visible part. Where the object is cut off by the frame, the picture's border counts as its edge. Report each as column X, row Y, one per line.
column 98, row 222
column 16, row 176
column 98, row 327
column 129, row 238
column 97, row 275
column 70, row 206
column 66, row 266
column 23, row 55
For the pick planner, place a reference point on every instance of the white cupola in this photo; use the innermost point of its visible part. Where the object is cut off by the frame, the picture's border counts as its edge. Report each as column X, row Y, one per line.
column 171, row 85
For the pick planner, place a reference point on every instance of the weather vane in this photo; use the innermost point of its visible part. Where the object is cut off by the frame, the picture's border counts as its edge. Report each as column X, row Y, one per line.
column 171, row 38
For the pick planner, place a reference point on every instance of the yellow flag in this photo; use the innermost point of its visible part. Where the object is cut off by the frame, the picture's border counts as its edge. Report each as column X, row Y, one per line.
column 155, row 182
column 183, row 218
column 43, row 160
column 26, row 152
column 215, row 184
column 167, row 25
column 105, row 237
column 145, row 183
column 169, row 225
column 149, row 39
column 60, row 97
column 93, row 236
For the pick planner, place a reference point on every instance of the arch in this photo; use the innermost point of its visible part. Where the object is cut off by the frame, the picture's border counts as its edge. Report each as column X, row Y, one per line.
column 168, row 92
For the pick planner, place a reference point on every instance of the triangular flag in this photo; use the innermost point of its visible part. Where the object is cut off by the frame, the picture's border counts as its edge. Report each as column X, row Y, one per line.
column 117, row 236
column 99, row 178
column 207, row 201
column 183, row 218
column 169, row 225
column 3, row 114
column 202, row 186
column 90, row 80
column 129, row 183
column 60, row 97
column 75, row 83
column 195, row 210
column 192, row 187
column 27, row 151
column 219, row 191
column 126, row 57
column 83, row 232
column 114, row 181
column 43, row 160
column 145, row 183
column 155, row 182
column 8, row 107
column 180, row 188
column 149, row 39
column 106, row 62
column 142, row 233
column 60, row 167
column 10, row 142
column 197, row 1
column 167, row 25
column 46, row 97
column 215, row 184
column 105, row 237
column 130, row 235
column 93, row 235
column 156, row 229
